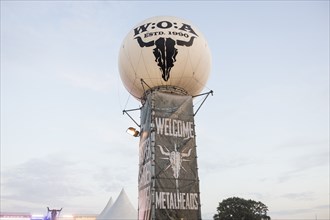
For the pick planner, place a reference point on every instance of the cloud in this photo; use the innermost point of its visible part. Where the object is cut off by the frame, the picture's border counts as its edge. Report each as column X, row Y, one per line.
column 326, row 207
column 317, row 212
column 260, row 196
column 114, row 179
column 303, row 143
column 289, row 212
column 58, row 181
column 305, row 162
column 225, row 163
column 42, row 180
column 299, row 196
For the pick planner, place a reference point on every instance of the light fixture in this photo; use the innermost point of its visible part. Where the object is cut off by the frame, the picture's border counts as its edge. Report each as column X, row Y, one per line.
column 132, row 131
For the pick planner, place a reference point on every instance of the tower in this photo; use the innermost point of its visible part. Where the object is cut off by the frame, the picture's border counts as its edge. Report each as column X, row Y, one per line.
column 164, row 62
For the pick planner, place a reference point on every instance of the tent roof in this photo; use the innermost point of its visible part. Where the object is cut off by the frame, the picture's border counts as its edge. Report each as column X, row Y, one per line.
column 106, row 209
column 121, row 209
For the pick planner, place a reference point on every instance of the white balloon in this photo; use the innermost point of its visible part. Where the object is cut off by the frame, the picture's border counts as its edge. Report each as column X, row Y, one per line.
column 164, row 51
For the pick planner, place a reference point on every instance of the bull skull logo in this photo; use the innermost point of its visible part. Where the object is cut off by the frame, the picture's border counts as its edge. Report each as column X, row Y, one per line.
column 176, row 158
column 165, row 52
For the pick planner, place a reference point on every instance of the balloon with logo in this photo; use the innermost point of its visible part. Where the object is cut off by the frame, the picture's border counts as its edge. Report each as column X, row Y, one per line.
column 164, row 51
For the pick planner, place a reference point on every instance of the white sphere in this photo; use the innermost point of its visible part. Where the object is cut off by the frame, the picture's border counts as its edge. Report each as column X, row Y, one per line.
column 164, row 51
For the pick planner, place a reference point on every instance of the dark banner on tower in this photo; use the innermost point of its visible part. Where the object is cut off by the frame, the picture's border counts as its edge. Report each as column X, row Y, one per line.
column 168, row 178
column 176, row 193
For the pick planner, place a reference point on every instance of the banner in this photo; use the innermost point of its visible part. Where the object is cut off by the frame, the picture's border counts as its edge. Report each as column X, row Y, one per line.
column 168, row 179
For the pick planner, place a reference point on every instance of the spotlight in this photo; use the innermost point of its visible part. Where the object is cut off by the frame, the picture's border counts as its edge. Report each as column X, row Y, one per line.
column 132, row 131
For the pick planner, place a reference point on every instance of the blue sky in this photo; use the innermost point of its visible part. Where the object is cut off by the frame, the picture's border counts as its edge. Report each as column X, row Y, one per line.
column 264, row 135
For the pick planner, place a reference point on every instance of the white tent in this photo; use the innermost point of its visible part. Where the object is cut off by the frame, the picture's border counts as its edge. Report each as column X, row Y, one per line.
column 121, row 209
column 105, row 210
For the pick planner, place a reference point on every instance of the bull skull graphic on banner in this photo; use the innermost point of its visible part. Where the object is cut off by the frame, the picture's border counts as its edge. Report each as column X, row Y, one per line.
column 176, row 158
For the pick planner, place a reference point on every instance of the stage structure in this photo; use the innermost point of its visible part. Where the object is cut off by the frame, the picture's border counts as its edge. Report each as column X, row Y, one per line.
column 52, row 214
column 164, row 62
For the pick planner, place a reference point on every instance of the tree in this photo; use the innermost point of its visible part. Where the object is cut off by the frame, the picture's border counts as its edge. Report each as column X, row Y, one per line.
column 241, row 209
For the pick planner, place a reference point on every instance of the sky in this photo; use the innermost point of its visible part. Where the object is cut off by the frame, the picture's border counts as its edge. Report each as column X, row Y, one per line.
column 263, row 135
